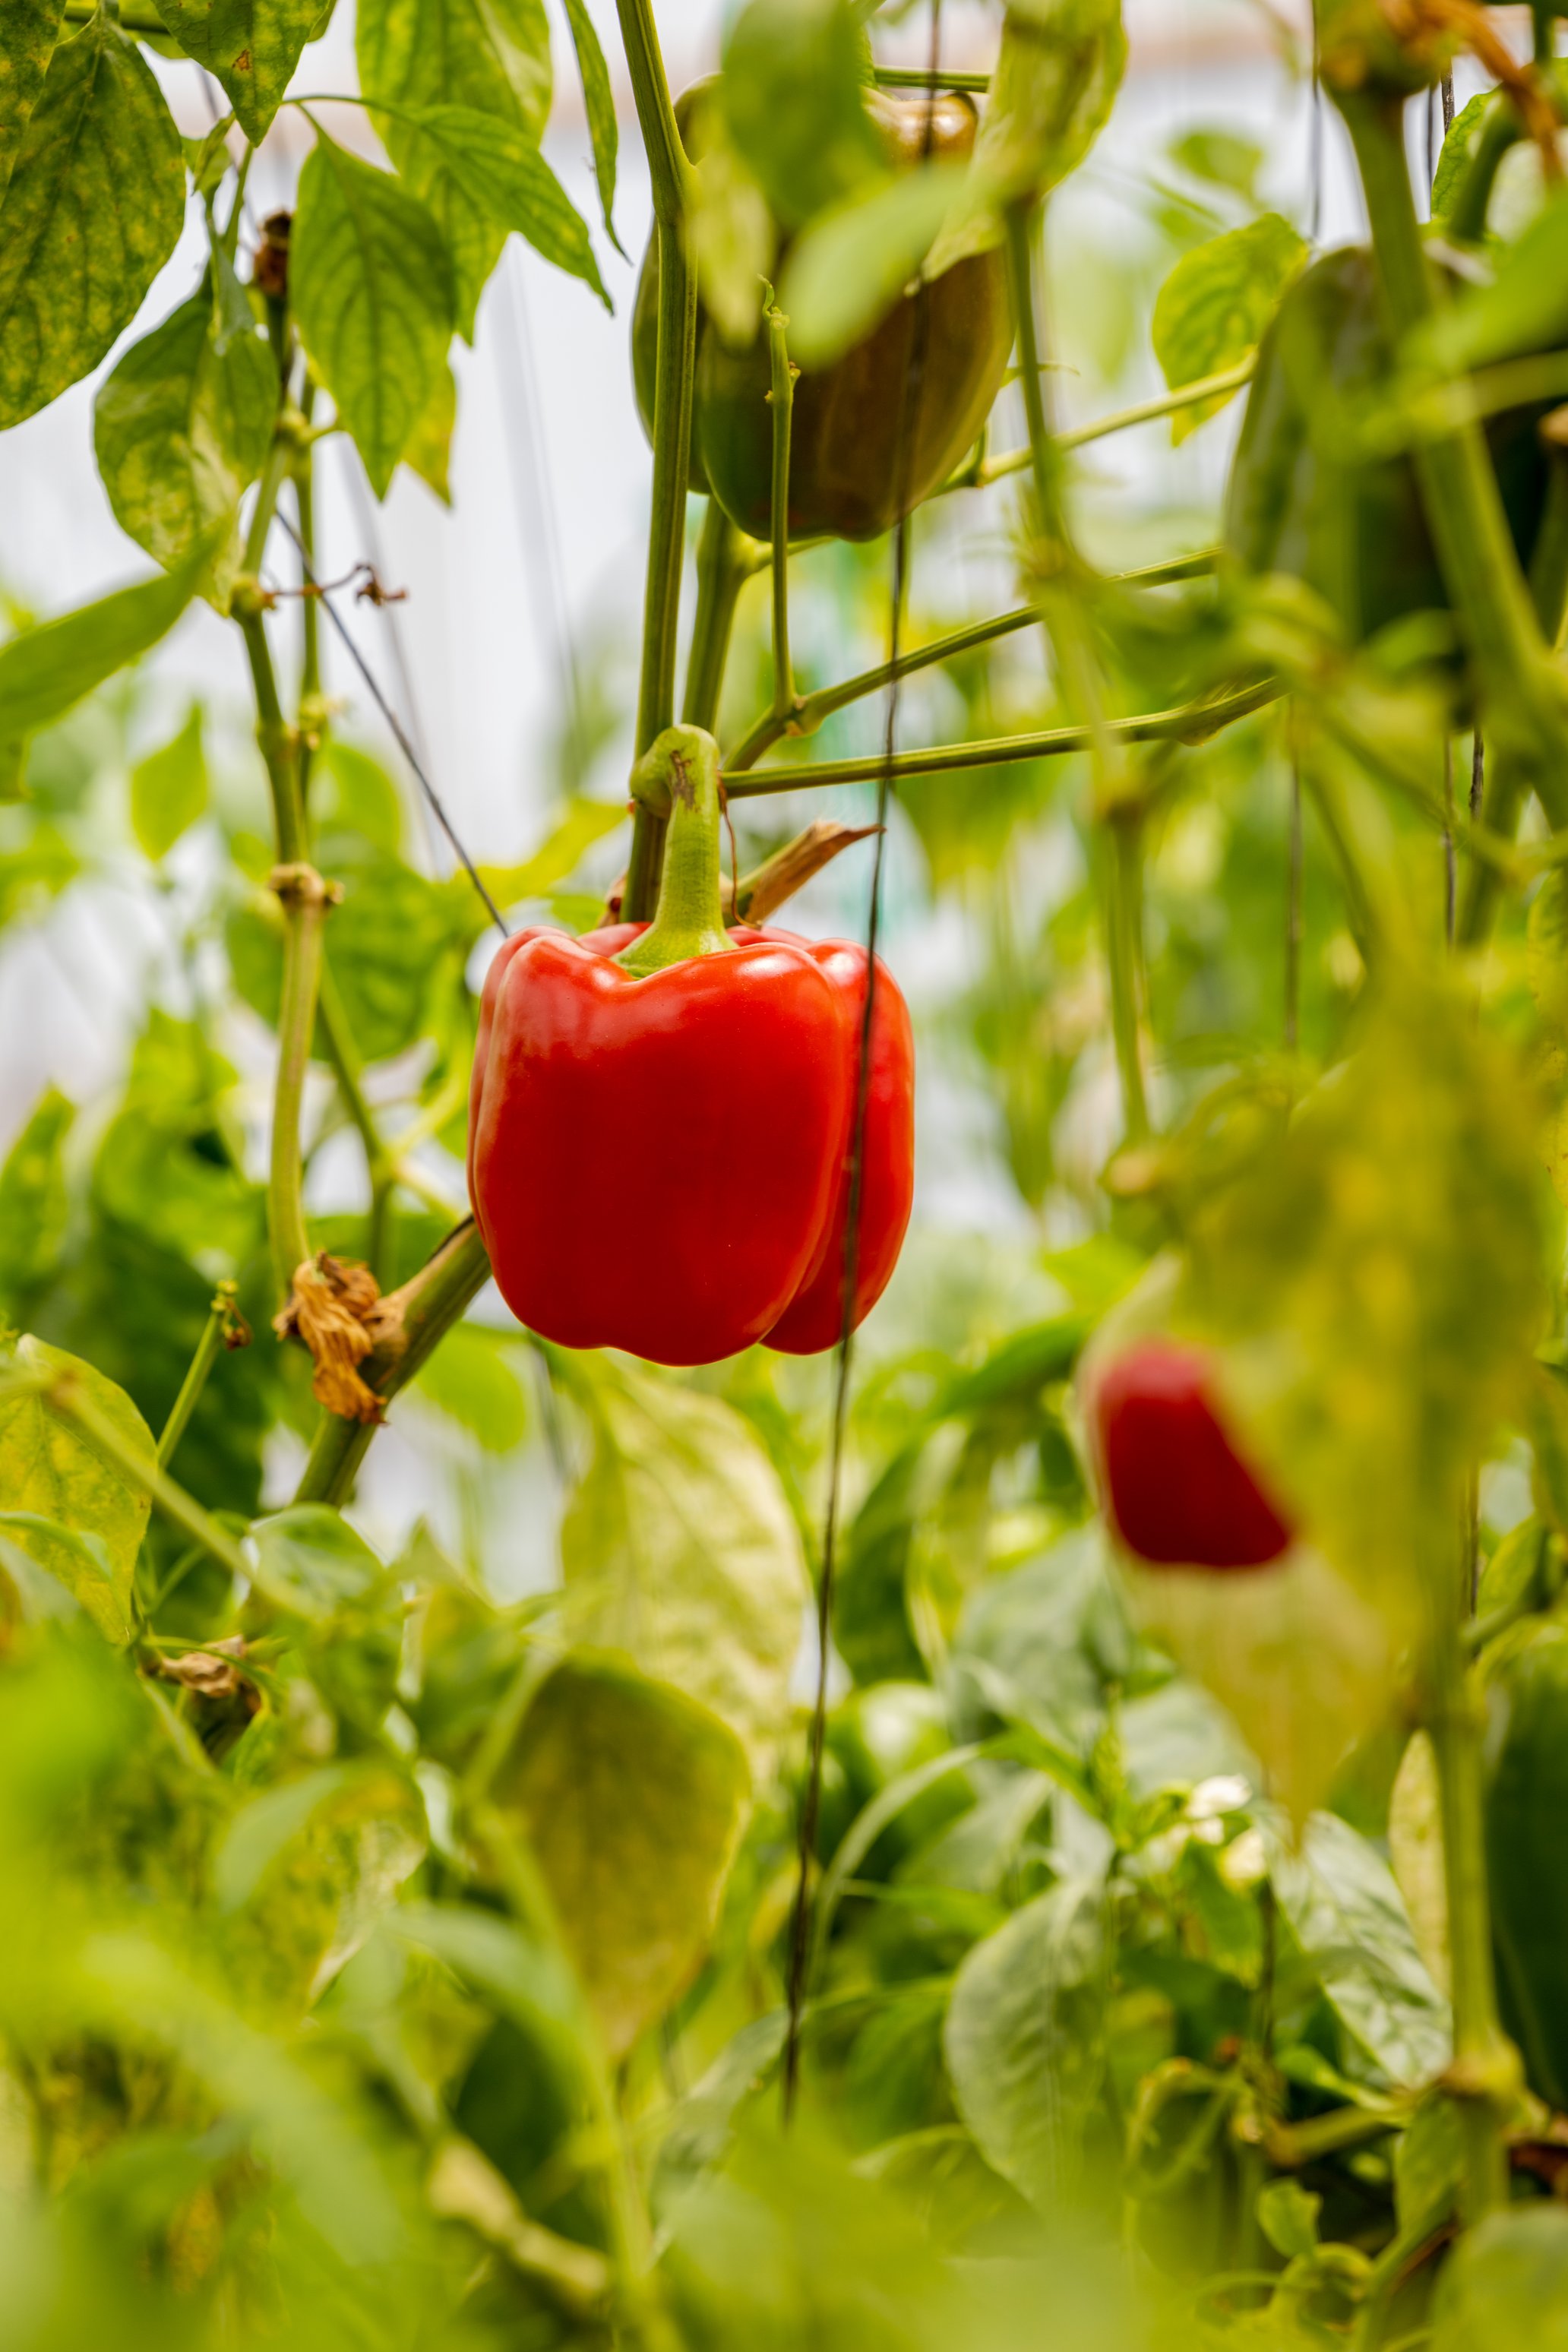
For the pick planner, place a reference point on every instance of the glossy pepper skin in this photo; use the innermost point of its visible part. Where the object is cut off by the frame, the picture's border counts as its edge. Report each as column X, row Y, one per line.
column 1179, row 1494
column 657, row 1156
column 846, row 471
column 1298, row 503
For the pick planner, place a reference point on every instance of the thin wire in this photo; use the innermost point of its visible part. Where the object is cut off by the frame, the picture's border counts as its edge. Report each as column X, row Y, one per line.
column 351, row 473
column 908, row 412
column 404, row 745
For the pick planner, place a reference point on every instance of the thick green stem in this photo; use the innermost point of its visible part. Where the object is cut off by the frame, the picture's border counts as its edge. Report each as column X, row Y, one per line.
column 277, row 738
column 725, row 561
column 222, row 1319
column 666, row 533
column 311, row 706
column 669, row 170
column 1124, row 959
column 1190, row 723
column 680, row 774
column 426, row 1310
column 1549, row 556
column 1485, row 2076
column 305, row 900
column 781, row 398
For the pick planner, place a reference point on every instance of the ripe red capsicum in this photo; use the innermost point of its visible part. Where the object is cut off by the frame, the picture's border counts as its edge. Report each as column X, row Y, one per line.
column 1178, row 1492
column 660, row 1115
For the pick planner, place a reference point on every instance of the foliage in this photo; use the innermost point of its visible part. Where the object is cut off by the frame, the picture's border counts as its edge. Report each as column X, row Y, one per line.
column 403, row 1913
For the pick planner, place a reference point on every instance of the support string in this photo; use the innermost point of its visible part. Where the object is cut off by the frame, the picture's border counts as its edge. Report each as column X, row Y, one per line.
column 909, row 413
column 404, row 745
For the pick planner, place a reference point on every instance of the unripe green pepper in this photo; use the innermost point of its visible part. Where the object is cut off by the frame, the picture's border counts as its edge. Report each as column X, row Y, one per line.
column 846, row 468
column 1301, row 501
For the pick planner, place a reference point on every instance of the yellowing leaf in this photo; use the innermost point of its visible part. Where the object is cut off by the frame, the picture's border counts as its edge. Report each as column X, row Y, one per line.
column 680, row 1550
column 77, row 253
column 47, row 1466
column 632, row 1799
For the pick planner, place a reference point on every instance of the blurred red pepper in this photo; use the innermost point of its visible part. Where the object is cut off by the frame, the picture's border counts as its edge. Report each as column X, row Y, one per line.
column 1178, row 1492
column 660, row 1115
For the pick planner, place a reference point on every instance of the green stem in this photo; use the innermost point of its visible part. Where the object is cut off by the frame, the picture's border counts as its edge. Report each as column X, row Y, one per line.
column 1143, row 412
column 67, row 1396
column 426, row 1308
column 1549, row 557
column 781, row 397
column 811, row 709
column 220, row 1319
column 305, row 900
column 680, row 774
column 279, row 742
column 311, row 706
column 1484, row 2077
column 274, row 474
column 1190, row 723
column 1501, row 130
column 668, row 172
column 724, row 564
column 1123, row 949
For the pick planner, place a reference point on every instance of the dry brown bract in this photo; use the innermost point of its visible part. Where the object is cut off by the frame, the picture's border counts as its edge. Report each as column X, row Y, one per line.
column 206, row 1672
column 336, row 1307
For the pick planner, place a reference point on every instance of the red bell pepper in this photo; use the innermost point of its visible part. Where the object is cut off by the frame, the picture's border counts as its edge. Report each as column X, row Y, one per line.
column 660, row 1118
column 1178, row 1492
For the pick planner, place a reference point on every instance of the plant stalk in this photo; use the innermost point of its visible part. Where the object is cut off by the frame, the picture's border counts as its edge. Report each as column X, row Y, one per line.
column 669, row 170
column 1521, row 701
column 1124, row 831
column 1485, row 2075
column 724, row 564
column 781, row 398
column 214, row 1331
column 1077, row 437
column 1190, row 723
column 306, row 900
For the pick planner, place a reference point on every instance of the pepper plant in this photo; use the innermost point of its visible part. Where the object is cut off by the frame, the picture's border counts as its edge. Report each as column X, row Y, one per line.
column 1139, row 1921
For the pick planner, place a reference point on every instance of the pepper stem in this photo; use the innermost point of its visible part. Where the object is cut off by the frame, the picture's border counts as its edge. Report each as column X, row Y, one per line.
column 678, row 773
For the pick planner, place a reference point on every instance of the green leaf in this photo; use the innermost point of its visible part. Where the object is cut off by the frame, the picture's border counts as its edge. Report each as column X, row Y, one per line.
column 1025, row 2038
column 33, row 1200
column 632, row 1799
column 49, row 1468
column 351, row 791
column 77, row 1561
column 1506, row 2285
column 37, row 870
column 499, row 170
column 384, row 946
column 45, row 671
column 208, row 159
column 486, row 57
column 850, row 266
column 1220, row 158
column 794, row 97
column 472, row 1378
column 1416, row 1852
column 599, row 105
column 1287, row 2217
column 371, row 288
column 1455, row 152
column 169, row 788
column 309, row 1561
column 680, row 1550
column 252, row 46
column 28, row 31
column 1524, row 308
column 182, row 428
column 558, row 855
column 1055, row 82
column 95, row 204
column 429, row 453
column 1429, row 2165
column 1212, row 310
column 1345, row 1911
